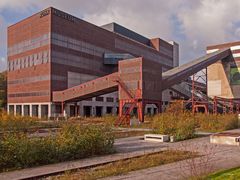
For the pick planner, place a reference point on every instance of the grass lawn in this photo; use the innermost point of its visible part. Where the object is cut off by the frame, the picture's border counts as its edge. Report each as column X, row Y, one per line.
column 229, row 174
column 125, row 166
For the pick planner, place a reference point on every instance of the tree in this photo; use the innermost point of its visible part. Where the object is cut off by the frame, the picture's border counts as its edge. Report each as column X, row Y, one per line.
column 3, row 89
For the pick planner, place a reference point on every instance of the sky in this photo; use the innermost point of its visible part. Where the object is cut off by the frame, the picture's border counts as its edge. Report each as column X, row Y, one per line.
column 192, row 24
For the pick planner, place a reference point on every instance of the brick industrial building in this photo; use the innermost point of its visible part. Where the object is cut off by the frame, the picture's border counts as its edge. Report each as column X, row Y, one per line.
column 53, row 51
column 59, row 65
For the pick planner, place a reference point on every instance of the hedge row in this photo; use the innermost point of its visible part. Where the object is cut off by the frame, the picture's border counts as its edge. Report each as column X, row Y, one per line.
column 182, row 124
column 72, row 142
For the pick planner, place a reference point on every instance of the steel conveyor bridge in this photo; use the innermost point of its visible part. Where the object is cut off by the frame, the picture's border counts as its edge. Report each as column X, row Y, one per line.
column 108, row 84
column 181, row 73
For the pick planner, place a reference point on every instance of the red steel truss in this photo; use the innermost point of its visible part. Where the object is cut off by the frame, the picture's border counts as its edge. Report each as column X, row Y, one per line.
column 225, row 105
column 133, row 101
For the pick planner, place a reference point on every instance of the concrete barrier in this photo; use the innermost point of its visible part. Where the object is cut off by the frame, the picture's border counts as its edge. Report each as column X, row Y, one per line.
column 156, row 137
column 226, row 138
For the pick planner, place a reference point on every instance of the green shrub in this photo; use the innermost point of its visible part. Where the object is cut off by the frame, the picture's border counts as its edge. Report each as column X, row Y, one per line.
column 15, row 123
column 181, row 126
column 72, row 142
column 10, row 122
column 217, row 122
column 110, row 119
column 176, row 107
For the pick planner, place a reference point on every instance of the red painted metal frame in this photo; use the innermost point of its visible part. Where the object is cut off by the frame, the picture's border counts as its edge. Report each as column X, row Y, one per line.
column 140, row 104
column 133, row 101
column 228, row 105
column 124, row 116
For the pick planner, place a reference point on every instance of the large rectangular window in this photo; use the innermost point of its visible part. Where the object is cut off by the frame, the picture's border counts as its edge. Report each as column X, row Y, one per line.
column 29, row 61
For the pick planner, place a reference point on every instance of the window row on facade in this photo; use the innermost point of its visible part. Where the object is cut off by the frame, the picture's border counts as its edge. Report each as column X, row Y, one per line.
column 29, row 44
column 76, row 61
column 37, row 79
column 120, row 44
column 75, row 79
column 29, row 79
column 77, row 45
column 29, row 61
column 40, row 93
column 103, row 99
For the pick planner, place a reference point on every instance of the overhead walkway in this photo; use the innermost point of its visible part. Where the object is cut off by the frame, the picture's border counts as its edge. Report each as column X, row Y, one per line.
column 96, row 87
column 178, row 74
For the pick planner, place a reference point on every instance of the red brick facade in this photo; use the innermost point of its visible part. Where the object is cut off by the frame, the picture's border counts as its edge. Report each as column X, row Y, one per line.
column 47, row 48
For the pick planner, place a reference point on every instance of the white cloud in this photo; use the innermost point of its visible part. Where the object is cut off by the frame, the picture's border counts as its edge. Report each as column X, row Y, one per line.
column 3, row 33
column 208, row 22
column 3, row 64
column 148, row 18
column 3, row 43
column 237, row 32
column 200, row 22
column 20, row 5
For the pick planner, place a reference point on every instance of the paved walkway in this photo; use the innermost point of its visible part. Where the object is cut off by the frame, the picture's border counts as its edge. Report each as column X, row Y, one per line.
column 217, row 157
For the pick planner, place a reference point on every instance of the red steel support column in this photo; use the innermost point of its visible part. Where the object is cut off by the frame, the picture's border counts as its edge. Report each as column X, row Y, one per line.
column 231, row 106
column 139, row 111
column 206, row 81
column 207, row 110
column 193, row 91
column 224, row 106
column 120, row 108
column 141, row 108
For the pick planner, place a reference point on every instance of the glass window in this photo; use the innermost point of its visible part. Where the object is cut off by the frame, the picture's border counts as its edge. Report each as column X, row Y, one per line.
column 26, row 62
column 8, row 66
column 45, row 55
column 31, row 61
column 20, row 63
column 35, row 59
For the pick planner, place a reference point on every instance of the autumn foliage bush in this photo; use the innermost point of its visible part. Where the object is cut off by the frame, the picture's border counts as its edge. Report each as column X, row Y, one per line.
column 17, row 123
column 72, row 142
column 182, row 124
column 10, row 122
column 216, row 122
column 175, row 122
